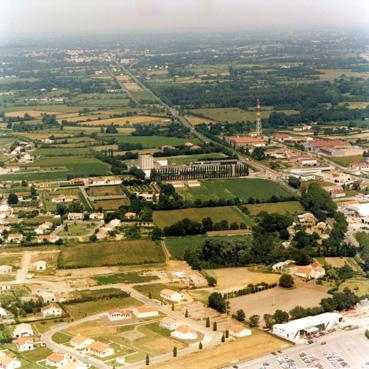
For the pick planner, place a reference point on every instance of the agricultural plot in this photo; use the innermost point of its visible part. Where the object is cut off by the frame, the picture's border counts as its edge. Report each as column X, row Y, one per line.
column 110, row 253
column 136, row 119
column 47, row 197
column 231, row 213
column 153, row 289
column 259, row 189
column 111, row 204
column 129, row 277
column 97, row 191
column 188, row 159
column 346, row 161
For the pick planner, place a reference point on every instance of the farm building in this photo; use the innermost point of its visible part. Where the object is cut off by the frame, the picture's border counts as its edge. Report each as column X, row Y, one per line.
column 184, row 332
column 57, row 359
column 145, row 312
column 8, row 362
column 80, row 342
column 299, row 328
column 23, row 330
column 51, row 310
column 25, row 344
column 280, row 265
column 171, row 295
column 119, row 314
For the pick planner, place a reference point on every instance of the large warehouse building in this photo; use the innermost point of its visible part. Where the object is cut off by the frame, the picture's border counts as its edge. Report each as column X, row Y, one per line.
column 300, row 328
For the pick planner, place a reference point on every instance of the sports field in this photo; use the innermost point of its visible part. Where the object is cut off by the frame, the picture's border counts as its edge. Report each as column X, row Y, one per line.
column 243, row 188
column 164, row 218
column 110, row 253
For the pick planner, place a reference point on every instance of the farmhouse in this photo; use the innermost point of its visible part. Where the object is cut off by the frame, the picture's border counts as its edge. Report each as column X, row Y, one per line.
column 5, row 269
column 51, row 310
column 64, row 198
column 312, row 271
column 40, row 265
column 119, row 314
column 171, row 295
column 184, row 332
column 57, row 359
column 75, row 216
column 80, row 342
column 8, row 362
column 23, row 330
column 169, row 323
column 145, row 312
column 335, row 191
column 42, row 228
column 239, row 330
column 282, row 137
column 300, row 328
column 24, row 344
column 99, row 349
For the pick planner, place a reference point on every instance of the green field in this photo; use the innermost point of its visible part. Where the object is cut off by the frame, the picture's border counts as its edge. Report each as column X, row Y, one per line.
column 59, row 168
column 259, row 189
column 110, row 253
column 187, row 159
column 358, row 285
column 346, row 161
column 233, row 114
column 149, row 142
column 154, row 289
column 178, row 245
column 130, row 277
column 293, row 207
column 164, row 218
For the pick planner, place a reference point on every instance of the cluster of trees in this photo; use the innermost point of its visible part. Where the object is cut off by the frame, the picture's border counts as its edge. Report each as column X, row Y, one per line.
column 251, row 288
column 187, row 226
column 363, row 239
column 169, row 130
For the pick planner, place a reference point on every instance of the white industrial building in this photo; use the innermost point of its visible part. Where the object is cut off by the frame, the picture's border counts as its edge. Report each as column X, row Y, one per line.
column 298, row 328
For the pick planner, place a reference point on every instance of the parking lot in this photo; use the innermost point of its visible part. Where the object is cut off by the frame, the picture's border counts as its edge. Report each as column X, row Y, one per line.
column 337, row 351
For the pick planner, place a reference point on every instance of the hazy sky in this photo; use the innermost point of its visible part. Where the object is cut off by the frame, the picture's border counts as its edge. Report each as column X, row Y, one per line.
column 27, row 17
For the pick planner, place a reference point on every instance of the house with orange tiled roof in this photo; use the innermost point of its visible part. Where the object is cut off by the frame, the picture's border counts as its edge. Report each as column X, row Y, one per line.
column 145, row 312
column 170, row 295
column 57, row 359
column 99, row 349
column 119, row 314
column 184, row 332
column 80, row 342
column 51, row 310
column 312, row 271
column 239, row 330
column 24, row 344
column 7, row 361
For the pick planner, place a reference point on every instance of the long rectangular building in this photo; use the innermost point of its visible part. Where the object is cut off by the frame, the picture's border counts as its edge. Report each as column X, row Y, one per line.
column 297, row 329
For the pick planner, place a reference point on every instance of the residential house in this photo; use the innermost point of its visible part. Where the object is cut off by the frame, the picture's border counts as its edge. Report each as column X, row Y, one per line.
column 145, row 312
column 184, row 332
column 239, row 330
column 80, row 342
column 51, row 310
column 43, row 228
column 170, row 295
column 99, row 349
column 58, row 359
column 75, row 216
column 169, row 323
column 15, row 237
column 23, row 330
column 96, row 216
column 25, row 344
column 47, row 238
column 39, row 265
column 5, row 269
column 312, row 271
column 8, row 361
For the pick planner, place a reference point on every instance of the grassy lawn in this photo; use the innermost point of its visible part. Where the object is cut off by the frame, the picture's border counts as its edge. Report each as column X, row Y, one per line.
column 104, row 191
column 178, row 245
column 358, row 285
column 130, row 277
column 111, row 204
column 259, row 189
column 154, row 289
column 60, row 337
column 293, row 207
column 110, row 253
column 168, row 217
column 39, row 353
column 83, row 309
column 76, row 229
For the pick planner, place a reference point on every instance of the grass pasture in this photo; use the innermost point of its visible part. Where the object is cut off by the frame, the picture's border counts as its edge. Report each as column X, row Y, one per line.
column 168, row 217
column 110, row 253
column 346, row 161
column 358, row 285
column 130, row 277
column 243, row 188
column 111, row 204
column 96, row 191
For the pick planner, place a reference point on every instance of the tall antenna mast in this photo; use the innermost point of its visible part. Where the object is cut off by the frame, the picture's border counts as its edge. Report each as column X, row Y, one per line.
column 259, row 130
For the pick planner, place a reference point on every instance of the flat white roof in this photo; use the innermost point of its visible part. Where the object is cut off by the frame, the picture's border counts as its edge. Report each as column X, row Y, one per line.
column 309, row 322
column 362, row 209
